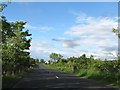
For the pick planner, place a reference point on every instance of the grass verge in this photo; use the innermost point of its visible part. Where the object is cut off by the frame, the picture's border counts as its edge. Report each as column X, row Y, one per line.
column 109, row 79
column 10, row 81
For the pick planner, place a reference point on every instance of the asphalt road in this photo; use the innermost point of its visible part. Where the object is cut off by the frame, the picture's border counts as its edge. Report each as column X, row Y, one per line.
column 43, row 78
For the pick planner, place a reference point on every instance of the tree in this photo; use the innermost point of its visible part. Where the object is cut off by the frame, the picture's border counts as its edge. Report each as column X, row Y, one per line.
column 55, row 56
column 15, row 46
column 116, row 31
column 2, row 6
column 42, row 61
column 62, row 61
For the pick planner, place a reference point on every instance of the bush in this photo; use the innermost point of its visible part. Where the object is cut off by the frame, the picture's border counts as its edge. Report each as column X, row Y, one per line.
column 82, row 72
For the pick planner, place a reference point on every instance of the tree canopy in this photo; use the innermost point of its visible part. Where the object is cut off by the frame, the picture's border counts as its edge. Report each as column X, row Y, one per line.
column 15, row 47
column 55, row 56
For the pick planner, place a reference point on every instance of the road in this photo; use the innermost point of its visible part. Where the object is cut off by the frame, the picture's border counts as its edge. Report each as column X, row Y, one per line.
column 43, row 78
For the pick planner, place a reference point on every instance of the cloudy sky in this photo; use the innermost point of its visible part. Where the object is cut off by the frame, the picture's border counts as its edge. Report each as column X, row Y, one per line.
column 70, row 29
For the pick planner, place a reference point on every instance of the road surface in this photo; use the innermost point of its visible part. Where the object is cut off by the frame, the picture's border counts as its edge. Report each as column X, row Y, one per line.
column 42, row 78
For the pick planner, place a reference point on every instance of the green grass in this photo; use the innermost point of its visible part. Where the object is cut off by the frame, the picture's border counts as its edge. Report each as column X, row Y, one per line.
column 110, row 79
column 9, row 81
column 58, row 67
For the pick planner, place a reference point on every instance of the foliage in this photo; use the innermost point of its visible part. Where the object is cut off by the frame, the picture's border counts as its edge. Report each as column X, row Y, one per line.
column 116, row 31
column 9, row 81
column 42, row 61
column 105, row 71
column 15, row 46
column 2, row 6
column 55, row 56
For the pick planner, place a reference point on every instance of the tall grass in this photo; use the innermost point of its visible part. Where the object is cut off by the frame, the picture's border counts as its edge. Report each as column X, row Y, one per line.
column 109, row 78
column 104, row 77
column 9, row 81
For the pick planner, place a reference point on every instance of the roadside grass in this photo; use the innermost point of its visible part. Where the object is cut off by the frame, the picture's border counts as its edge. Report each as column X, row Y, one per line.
column 110, row 79
column 58, row 67
column 9, row 81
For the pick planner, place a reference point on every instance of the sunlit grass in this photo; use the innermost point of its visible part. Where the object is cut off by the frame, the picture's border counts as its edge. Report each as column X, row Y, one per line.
column 110, row 79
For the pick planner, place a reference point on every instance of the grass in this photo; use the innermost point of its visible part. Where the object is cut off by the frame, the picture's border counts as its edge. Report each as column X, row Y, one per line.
column 58, row 67
column 9, row 81
column 110, row 79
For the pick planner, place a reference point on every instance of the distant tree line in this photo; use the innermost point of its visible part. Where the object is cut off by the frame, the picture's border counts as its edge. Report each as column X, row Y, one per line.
column 83, row 62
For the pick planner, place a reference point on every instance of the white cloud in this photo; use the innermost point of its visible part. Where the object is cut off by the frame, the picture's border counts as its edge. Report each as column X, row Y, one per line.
column 90, row 35
column 93, row 26
column 39, row 28
column 39, row 46
column 42, row 49
column 114, row 54
column 39, row 49
column 95, row 32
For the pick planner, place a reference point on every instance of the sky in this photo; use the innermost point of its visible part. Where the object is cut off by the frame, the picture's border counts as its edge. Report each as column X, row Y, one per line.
column 68, row 28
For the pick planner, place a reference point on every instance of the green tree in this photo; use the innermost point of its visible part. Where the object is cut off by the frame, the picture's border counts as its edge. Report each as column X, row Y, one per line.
column 15, row 46
column 42, row 61
column 55, row 56
column 116, row 31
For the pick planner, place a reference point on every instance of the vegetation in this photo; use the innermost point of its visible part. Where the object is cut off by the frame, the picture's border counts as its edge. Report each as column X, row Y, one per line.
column 55, row 56
column 42, row 61
column 15, row 44
column 9, row 81
column 16, row 58
column 105, row 71
column 116, row 31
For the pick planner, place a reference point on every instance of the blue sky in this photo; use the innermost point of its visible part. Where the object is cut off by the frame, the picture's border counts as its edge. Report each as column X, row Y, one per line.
column 70, row 29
